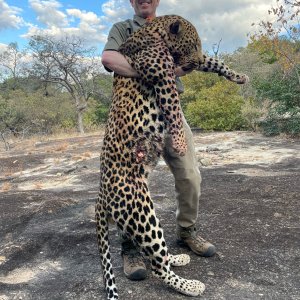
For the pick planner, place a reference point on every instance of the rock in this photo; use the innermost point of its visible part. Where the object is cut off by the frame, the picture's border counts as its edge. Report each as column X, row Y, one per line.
column 212, row 148
column 205, row 162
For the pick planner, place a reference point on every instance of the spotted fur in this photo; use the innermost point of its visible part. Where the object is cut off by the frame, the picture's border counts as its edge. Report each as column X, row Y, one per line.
column 143, row 109
column 210, row 64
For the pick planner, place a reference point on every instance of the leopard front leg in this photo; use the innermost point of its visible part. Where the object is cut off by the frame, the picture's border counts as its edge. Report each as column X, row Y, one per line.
column 210, row 64
column 156, row 68
column 178, row 141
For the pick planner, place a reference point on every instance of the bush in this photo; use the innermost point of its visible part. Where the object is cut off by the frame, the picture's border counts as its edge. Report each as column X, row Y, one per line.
column 270, row 127
column 282, row 91
column 12, row 119
column 251, row 113
column 36, row 113
column 96, row 114
column 217, row 108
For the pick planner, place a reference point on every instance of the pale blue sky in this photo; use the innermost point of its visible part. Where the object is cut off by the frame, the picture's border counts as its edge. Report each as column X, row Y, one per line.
column 229, row 20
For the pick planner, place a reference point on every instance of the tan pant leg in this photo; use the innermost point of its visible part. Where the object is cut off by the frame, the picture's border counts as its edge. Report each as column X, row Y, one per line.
column 187, row 179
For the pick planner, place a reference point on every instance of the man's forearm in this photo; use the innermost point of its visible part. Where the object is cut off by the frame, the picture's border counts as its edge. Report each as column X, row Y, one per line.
column 116, row 62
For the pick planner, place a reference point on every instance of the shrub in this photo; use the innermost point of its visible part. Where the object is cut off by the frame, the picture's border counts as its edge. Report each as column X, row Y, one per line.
column 217, row 108
column 282, row 91
column 96, row 114
column 251, row 113
column 36, row 112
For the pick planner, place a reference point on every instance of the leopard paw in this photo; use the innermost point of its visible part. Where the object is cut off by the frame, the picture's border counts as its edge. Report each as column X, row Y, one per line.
column 179, row 260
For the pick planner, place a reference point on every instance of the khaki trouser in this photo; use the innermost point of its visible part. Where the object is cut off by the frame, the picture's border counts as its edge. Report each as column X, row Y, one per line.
column 187, row 179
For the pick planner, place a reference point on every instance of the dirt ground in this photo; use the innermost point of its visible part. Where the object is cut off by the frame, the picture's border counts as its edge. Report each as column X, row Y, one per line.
column 249, row 209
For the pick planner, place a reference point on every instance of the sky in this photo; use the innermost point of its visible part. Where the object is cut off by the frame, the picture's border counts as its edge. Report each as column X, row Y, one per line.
column 225, row 20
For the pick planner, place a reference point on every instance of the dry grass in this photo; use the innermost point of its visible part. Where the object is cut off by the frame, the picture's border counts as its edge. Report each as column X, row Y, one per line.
column 8, row 173
column 57, row 161
column 77, row 157
column 6, row 186
column 2, row 260
column 29, row 144
column 83, row 156
column 61, row 148
column 73, row 134
column 38, row 185
column 87, row 154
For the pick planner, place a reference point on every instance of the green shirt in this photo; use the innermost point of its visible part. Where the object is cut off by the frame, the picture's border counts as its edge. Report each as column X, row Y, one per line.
column 121, row 31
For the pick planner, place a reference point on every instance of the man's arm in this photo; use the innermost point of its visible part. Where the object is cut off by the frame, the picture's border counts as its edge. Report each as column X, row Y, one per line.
column 179, row 72
column 117, row 63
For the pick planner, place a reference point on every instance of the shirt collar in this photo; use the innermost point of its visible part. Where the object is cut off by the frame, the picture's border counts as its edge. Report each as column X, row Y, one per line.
column 139, row 20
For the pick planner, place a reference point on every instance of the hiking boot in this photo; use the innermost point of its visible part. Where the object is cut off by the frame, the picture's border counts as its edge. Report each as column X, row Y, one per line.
column 188, row 237
column 133, row 264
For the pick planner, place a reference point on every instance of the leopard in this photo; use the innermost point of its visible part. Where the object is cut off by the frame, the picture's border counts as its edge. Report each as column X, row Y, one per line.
column 143, row 110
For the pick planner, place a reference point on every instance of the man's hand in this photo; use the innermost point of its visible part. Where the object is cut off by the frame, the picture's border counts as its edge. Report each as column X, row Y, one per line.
column 179, row 71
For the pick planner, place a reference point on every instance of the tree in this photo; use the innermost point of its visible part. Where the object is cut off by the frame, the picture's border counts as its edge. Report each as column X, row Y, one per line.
column 284, row 109
column 278, row 43
column 11, row 63
column 68, row 63
column 279, row 39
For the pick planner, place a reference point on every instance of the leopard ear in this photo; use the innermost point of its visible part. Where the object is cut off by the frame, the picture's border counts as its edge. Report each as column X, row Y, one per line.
column 175, row 27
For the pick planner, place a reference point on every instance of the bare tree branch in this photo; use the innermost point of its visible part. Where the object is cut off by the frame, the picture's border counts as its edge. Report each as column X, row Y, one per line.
column 216, row 48
column 69, row 63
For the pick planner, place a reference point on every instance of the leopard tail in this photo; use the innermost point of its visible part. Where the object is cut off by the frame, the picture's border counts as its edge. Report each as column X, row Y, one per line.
column 105, row 257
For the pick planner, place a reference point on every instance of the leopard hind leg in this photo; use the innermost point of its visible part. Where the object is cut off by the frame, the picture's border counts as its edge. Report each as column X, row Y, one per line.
column 140, row 223
column 161, row 269
column 103, row 244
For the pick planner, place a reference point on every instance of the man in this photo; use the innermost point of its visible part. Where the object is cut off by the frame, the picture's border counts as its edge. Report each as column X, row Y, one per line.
column 184, row 168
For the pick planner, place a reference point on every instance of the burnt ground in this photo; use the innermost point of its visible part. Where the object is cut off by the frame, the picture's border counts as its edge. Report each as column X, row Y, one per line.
column 250, row 210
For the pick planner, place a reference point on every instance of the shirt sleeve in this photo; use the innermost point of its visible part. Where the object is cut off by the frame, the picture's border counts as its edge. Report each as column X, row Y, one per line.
column 116, row 37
